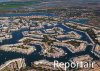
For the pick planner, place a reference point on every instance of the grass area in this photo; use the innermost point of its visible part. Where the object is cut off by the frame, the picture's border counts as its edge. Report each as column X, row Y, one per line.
column 23, row 47
column 9, row 5
column 27, row 41
column 94, row 18
column 74, row 43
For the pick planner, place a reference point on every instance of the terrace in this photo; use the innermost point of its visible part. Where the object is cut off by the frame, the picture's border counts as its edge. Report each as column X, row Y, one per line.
column 4, row 36
column 71, row 34
column 44, row 65
column 96, row 50
column 20, row 48
column 73, row 45
column 15, row 64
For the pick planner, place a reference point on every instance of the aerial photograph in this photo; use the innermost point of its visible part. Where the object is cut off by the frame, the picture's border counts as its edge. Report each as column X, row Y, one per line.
column 49, row 35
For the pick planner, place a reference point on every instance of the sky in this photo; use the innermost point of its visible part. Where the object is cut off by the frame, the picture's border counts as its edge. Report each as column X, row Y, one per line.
column 3, row 0
column 56, row 0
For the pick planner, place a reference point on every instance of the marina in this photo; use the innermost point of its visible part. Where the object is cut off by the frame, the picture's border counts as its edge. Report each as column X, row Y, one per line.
column 17, row 35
